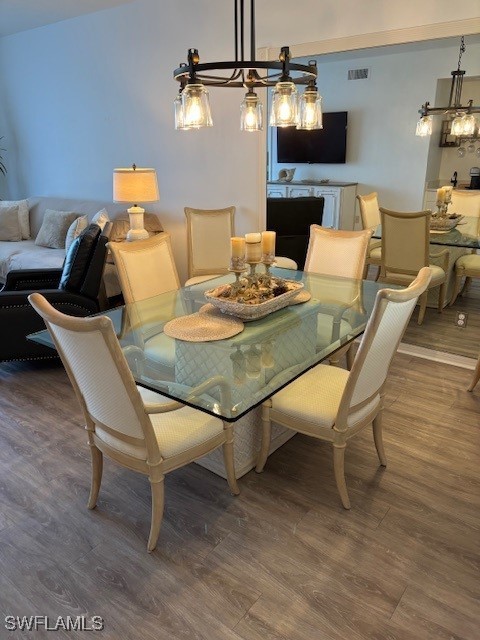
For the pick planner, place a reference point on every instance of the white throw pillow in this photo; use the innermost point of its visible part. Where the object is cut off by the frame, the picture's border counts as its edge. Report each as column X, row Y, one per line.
column 9, row 224
column 23, row 215
column 54, row 228
column 75, row 229
column 101, row 218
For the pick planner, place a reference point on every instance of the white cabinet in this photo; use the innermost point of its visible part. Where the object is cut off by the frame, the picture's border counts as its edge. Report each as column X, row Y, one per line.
column 339, row 205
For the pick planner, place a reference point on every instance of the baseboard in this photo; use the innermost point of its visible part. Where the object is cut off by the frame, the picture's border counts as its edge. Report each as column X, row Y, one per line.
column 437, row 356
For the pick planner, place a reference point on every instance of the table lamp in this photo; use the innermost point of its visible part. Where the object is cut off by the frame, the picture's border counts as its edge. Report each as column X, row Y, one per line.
column 134, row 185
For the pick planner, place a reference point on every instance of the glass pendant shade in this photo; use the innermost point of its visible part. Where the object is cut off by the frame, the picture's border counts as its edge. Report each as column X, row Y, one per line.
column 178, row 106
column 284, row 105
column 457, row 126
column 251, row 113
column 424, row 126
column 469, row 123
column 196, row 107
column 310, row 110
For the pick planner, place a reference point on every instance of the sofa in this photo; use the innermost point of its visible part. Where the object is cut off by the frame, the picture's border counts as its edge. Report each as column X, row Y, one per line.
column 26, row 254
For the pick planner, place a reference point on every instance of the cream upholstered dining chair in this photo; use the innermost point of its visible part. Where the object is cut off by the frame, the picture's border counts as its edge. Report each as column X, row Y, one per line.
column 370, row 215
column 405, row 250
column 333, row 404
column 466, row 203
column 208, row 238
column 140, row 429
column 337, row 253
column 146, row 269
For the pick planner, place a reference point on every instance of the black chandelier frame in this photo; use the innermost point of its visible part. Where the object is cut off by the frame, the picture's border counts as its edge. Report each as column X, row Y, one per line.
column 245, row 73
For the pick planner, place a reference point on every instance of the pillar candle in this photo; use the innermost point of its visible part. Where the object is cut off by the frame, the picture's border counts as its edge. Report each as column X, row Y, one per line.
column 440, row 195
column 448, row 194
column 238, row 247
column 268, row 242
column 253, row 247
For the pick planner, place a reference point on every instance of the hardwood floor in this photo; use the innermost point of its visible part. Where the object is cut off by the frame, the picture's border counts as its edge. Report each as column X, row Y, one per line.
column 281, row 561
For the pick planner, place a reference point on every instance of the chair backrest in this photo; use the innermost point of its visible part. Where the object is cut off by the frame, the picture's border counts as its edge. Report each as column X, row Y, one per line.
column 369, row 210
column 103, row 383
column 385, row 328
column 146, row 268
column 208, row 237
column 405, row 241
column 465, row 203
column 85, row 261
column 337, row 253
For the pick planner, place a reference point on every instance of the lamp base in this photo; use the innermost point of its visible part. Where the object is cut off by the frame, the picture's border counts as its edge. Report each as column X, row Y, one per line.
column 137, row 231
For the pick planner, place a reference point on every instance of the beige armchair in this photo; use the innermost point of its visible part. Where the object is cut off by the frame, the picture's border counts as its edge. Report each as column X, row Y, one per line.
column 370, row 214
column 139, row 429
column 146, row 269
column 332, row 404
column 337, row 253
column 466, row 203
column 405, row 250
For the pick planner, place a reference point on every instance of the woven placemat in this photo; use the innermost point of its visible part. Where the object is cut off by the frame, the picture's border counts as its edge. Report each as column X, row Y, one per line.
column 203, row 327
column 302, row 296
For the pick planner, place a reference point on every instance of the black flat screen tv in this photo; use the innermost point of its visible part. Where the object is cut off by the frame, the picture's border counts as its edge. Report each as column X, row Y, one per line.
column 319, row 146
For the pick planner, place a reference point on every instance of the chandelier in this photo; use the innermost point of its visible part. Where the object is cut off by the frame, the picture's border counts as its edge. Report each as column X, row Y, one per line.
column 463, row 120
column 192, row 105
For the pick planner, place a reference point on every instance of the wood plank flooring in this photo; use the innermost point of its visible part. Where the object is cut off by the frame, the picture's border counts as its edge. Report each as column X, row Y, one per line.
column 282, row 561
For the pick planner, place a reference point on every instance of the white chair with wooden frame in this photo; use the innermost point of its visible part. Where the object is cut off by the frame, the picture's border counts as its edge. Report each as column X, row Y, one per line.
column 370, row 215
column 337, row 253
column 139, row 429
column 332, row 404
column 146, row 268
column 208, row 239
column 466, row 203
column 406, row 249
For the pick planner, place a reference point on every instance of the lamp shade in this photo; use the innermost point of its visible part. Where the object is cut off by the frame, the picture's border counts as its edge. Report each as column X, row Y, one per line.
column 135, row 185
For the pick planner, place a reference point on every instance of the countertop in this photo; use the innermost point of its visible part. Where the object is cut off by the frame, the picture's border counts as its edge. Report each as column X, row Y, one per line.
column 316, row 183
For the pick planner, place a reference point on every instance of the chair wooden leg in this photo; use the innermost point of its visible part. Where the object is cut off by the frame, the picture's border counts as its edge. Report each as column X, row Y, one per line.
column 423, row 307
column 441, row 296
column 97, row 470
column 456, row 288
column 476, row 376
column 467, row 284
column 158, row 499
column 339, row 469
column 378, row 438
column 266, row 438
column 228, row 460
column 350, row 356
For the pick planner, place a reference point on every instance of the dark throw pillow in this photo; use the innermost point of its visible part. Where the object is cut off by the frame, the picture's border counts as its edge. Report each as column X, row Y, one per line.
column 78, row 258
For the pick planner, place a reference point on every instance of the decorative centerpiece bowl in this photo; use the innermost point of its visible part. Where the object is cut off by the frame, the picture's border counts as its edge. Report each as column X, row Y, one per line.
column 253, row 303
column 445, row 222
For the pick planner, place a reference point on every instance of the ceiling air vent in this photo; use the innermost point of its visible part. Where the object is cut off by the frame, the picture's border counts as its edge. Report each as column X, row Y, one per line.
column 358, row 74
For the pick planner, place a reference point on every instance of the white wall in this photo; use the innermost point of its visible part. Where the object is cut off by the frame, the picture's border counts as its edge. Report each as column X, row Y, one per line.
column 83, row 96
column 86, row 95
column 383, row 154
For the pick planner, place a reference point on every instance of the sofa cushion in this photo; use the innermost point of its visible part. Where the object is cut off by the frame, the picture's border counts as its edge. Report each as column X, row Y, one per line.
column 27, row 255
column 9, row 224
column 53, row 231
column 75, row 229
column 23, row 215
column 101, row 218
column 121, row 226
column 78, row 258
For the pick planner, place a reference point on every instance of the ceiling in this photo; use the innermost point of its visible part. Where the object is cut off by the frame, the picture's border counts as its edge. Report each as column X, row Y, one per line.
column 21, row 15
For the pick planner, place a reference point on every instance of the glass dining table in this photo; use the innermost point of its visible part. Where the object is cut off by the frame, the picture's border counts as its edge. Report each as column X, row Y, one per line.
column 230, row 378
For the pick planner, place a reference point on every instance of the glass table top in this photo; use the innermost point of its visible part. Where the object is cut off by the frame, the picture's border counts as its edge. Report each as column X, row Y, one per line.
column 466, row 234
column 227, row 378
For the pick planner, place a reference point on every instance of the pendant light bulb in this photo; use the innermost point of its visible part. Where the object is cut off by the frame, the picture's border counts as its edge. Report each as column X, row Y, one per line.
column 196, row 107
column 310, row 109
column 424, row 126
column 251, row 113
column 284, row 105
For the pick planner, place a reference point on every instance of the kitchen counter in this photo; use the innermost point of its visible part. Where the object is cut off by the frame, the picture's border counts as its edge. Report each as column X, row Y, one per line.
column 328, row 183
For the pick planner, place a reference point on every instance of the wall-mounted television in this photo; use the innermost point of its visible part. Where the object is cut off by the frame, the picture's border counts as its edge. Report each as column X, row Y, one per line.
column 322, row 146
